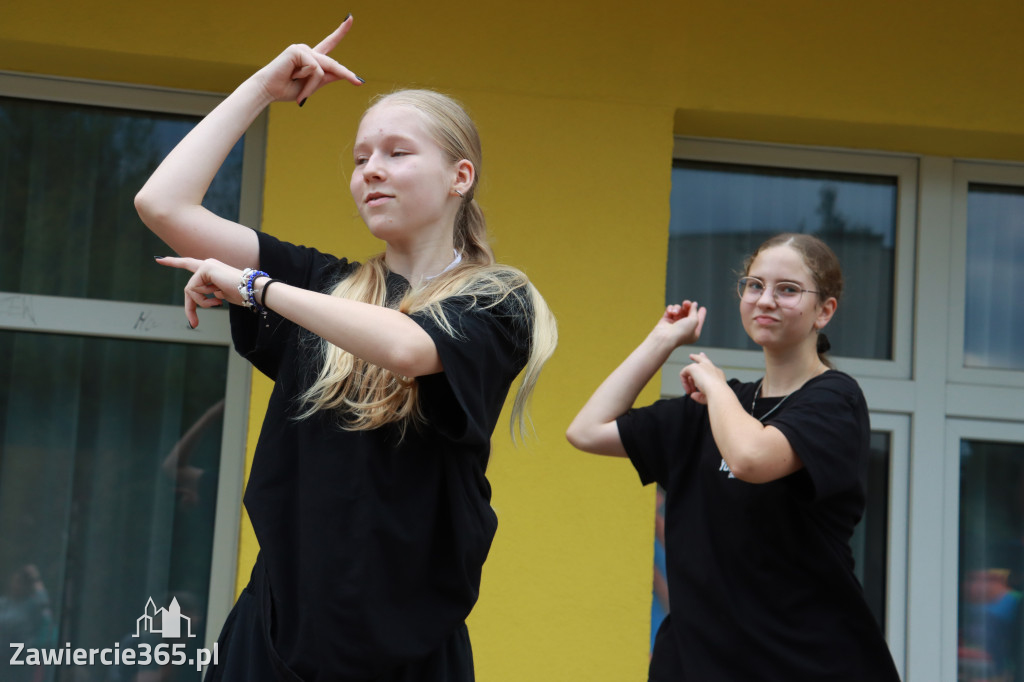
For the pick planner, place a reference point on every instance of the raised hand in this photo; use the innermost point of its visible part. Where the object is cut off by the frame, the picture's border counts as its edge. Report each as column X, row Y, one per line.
column 301, row 70
column 681, row 323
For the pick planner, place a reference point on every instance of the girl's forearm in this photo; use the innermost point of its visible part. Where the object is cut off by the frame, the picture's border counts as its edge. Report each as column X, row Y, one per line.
column 594, row 428
column 381, row 336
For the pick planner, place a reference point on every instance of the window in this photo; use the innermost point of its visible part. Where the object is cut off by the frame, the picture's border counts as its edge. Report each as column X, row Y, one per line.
column 728, row 198
column 989, row 215
column 870, row 537
column 990, row 561
column 993, row 315
column 121, row 430
column 721, row 212
column 68, row 176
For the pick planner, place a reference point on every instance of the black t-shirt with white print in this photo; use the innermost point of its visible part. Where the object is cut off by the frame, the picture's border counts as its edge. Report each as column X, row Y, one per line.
column 760, row 576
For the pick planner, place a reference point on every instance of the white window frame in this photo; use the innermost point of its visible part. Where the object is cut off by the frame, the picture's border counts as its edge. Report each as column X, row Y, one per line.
column 903, row 168
column 965, row 173
column 958, row 430
column 134, row 321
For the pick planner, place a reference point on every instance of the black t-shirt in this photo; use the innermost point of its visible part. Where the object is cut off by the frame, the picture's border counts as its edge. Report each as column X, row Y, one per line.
column 760, row 576
column 372, row 543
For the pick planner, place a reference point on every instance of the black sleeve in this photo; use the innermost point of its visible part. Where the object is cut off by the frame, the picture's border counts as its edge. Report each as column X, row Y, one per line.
column 482, row 354
column 261, row 340
column 829, row 429
column 655, row 435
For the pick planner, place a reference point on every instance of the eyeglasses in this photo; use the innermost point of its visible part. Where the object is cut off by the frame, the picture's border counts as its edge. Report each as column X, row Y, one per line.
column 785, row 294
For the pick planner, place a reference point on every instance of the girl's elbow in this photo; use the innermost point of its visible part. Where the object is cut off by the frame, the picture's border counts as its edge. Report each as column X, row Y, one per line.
column 573, row 435
column 143, row 204
column 744, row 466
column 150, row 209
column 745, row 475
column 415, row 361
column 751, row 470
column 597, row 439
column 580, row 435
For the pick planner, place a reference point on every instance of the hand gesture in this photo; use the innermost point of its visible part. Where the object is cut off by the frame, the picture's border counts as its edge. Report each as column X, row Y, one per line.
column 681, row 324
column 301, row 70
column 698, row 376
column 209, row 278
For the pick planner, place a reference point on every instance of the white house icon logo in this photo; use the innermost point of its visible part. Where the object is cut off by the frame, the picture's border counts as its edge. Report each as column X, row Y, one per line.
column 164, row 622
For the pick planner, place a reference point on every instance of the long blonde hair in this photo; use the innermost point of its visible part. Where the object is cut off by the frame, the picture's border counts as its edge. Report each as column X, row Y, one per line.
column 366, row 396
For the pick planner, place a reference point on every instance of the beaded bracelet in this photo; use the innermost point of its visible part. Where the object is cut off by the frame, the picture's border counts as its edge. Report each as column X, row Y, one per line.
column 249, row 277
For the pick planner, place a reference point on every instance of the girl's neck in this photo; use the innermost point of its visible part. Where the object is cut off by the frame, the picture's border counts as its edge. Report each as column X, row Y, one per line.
column 420, row 264
column 785, row 374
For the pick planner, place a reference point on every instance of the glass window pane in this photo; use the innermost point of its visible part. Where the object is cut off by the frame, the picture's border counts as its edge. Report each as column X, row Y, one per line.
column 994, row 310
column 991, row 561
column 722, row 212
column 109, row 462
column 68, row 178
column 870, row 541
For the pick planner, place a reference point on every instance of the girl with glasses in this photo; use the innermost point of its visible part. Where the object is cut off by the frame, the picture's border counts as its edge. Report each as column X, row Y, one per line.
column 763, row 484
column 367, row 493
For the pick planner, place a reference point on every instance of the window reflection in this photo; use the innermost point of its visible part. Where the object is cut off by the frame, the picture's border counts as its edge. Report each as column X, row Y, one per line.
column 109, row 449
column 722, row 212
column 68, row 177
column 870, row 541
column 994, row 312
column 991, row 562
column 109, row 464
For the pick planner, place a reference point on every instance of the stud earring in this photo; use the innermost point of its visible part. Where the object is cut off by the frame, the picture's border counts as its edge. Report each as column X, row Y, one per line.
column 461, row 195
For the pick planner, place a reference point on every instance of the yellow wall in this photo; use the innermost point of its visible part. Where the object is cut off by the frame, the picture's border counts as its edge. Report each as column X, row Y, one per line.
column 577, row 103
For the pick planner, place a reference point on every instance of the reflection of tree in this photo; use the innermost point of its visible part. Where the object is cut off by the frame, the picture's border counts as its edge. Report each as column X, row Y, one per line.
column 833, row 223
column 869, row 287
column 733, row 210
column 68, row 176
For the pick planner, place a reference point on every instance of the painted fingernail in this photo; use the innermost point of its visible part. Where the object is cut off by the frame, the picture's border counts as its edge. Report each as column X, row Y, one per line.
column 189, row 323
column 360, row 79
column 303, row 101
column 347, row 17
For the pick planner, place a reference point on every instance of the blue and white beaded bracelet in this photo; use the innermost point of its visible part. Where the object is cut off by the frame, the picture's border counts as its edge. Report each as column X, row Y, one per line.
column 249, row 277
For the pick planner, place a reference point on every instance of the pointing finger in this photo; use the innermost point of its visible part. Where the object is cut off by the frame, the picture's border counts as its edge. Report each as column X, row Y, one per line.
column 190, row 264
column 331, row 41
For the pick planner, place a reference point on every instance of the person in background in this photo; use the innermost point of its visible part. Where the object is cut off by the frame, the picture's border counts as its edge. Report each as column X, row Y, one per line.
column 26, row 618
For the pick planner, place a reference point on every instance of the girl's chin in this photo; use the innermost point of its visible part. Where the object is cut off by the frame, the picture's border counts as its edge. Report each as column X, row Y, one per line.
column 766, row 340
column 760, row 336
column 384, row 230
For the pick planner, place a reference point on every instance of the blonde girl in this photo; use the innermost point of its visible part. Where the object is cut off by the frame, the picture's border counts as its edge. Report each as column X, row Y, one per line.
column 368, row 492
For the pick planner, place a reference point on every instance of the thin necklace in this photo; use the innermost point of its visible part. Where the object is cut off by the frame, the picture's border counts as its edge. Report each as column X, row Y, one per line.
column 458, row 259
column 753, row 403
